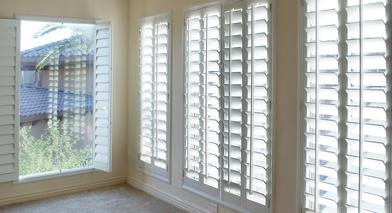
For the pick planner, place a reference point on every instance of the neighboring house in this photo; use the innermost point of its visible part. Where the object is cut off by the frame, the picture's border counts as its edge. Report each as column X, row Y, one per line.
column 62, row 90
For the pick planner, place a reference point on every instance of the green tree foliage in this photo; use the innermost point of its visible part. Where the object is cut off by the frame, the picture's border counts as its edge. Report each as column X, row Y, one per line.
column 53, row 151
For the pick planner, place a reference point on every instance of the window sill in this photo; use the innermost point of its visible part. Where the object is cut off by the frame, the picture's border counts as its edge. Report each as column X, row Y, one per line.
column 53, row 175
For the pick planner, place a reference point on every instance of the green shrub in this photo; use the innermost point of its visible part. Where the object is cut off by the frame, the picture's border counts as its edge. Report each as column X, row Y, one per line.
column 53, row 151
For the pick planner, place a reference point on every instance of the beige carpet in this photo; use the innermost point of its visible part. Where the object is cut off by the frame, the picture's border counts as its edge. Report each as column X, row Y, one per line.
column 115, row 199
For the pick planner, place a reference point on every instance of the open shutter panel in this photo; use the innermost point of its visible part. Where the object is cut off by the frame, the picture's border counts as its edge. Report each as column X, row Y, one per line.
column 202, row 108
column 154, row 94
column 247, row 93
column 102, row 97
column 9, row 99
column 347, row 114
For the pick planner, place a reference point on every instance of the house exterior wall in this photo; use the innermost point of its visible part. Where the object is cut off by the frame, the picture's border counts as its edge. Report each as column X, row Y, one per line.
column 43, row 77
column 115, row 11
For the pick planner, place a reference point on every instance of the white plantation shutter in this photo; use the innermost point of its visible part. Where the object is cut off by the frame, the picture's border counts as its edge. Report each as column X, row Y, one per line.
column 9, row 99
column 228, row 93
column 202, row 107
column 102, row 97
column 247, row 93
column 347, row 132
column 154, row 62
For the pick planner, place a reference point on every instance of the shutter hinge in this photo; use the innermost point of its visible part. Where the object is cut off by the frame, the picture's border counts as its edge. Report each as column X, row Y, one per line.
column 270, row 7
column 268, row 203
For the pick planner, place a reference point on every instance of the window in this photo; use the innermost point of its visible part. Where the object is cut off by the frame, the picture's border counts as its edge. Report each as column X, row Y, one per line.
column 154, row 67
column 227, row 108
column 55, row 103
column 347, row 106
column 56, row 90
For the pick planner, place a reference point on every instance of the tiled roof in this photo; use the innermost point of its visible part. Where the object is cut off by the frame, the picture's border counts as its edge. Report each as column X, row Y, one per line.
column 34, row 102
column 43, row 50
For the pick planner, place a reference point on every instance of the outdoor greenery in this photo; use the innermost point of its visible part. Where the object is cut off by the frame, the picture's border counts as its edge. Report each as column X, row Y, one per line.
column 53, row 151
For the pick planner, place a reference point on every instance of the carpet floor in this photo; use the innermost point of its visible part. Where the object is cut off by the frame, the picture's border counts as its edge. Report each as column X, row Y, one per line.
column 114, row 199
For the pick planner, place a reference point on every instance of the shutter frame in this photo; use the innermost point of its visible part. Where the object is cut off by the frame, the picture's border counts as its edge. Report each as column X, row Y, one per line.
column 11, row 168
column 197, row 185
column 147, row 168
column 103, row 147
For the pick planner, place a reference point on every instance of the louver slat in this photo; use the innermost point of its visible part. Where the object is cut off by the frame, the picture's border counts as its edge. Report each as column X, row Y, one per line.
column 154, row 95
column 9, row 90
column 346, row 106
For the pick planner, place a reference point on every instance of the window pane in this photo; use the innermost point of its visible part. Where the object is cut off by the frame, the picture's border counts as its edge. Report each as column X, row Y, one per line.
column 56, row 103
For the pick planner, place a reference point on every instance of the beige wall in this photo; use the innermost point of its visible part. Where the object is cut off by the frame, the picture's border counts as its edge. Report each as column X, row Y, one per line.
column 115, row 11
column 286, row 107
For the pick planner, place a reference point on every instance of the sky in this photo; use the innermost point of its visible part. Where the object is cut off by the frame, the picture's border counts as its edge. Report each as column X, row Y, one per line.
column 29, row 28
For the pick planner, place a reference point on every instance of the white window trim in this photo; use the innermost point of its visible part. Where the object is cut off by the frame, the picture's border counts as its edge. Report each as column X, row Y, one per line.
column 159, row 174
column 55, row 175
column 270, row 186
column 21, row 17
column 300, row 112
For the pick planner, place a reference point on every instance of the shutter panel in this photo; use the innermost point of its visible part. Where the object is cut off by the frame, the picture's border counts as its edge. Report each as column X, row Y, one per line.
column 347, row 108
column 247, row 95
column 367, row 153
column 154, row 94
column 227, row 107
column 102, row 97
column 202, row 106
column 322, row 102
column 9, row 99
column 259, row 93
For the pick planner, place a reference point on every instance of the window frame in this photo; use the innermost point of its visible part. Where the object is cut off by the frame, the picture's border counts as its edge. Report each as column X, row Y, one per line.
column 150, row 170
column 272, row 81
column 301, row 113
column 74, row 171
column 300, row 100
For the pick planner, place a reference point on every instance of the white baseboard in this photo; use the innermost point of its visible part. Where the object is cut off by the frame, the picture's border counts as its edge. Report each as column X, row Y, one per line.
column 60, row 191
column 165, row 196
